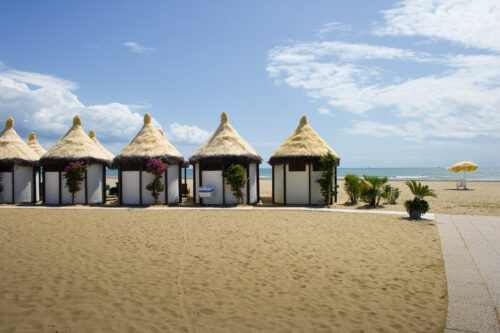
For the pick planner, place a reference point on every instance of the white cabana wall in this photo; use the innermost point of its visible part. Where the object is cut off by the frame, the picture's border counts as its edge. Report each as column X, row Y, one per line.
column 173, row 182
column 196, row 183
column 214, row 179
column 95, row 187
column 51, row 182
column 7, row 187
column 24, row 185
column 95, row 183
column 132, row 190
column 297, row 186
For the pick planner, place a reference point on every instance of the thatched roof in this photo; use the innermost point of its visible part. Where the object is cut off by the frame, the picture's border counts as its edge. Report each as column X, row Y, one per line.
column 304, row 144
column 75, row 145
column 104, row 150
column 148, row 143
column 13, row 150
column 35, row 145
column 226, row 145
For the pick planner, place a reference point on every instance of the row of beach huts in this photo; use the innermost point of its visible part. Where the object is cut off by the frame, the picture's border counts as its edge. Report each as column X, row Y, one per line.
column 31, row 174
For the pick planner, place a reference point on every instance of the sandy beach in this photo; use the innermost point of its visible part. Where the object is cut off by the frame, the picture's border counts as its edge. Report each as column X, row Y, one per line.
column 218, row 271
column 482, row 197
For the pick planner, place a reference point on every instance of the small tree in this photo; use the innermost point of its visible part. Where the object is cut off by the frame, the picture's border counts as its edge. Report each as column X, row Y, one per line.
column 418, row 205
column 74, row 173
column 353, row 186
column 391, row 194
column 373, row 189
column 156, row 167
column 235, row 176
column 328, row 163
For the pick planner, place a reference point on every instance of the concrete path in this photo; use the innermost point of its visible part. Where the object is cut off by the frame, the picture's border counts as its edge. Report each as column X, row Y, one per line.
column 471, row 252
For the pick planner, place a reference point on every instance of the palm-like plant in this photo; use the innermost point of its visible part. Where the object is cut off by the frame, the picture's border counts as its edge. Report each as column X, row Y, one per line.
column 418, row 205
column 420, row 191
column 373, row 189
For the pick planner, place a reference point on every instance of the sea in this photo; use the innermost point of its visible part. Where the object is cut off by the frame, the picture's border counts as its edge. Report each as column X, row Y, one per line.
column 481, row 174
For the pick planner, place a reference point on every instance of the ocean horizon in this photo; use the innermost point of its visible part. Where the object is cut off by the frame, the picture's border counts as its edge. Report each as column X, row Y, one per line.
column 481, row 174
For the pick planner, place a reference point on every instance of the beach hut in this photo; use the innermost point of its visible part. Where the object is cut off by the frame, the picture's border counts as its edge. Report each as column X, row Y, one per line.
column 131, row 163
column 295, row 167
column 18, row 167
column 106, row 152
column 223, row 148
column 35, row 145
column 75, row 146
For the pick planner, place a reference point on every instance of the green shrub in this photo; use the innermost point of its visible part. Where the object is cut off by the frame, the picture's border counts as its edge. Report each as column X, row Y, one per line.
column 372, row 189
column 328, row 163
column 391, row 194
column 235, row 176
column 352, row 186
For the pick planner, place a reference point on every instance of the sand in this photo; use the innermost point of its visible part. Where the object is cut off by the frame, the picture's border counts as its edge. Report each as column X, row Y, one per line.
column 482, row 198
column 218, row 271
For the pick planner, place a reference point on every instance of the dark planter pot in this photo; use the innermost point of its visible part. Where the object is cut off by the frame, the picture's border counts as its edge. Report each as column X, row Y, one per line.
column 415, row 214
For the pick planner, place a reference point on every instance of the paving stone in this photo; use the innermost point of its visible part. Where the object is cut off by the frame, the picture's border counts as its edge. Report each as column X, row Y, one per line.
column 473, row 293
column 457, row 261
column 456, row 331
column 472, row 317
column 464, row 275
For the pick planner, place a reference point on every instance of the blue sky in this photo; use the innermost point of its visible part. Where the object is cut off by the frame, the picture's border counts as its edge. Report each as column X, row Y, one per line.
column 410, row 83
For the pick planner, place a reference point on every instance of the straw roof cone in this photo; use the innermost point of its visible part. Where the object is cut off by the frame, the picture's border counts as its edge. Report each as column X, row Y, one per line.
column 75, row 145
column 13, row 150
column 35, row 145
column 304, row 144
column 226, row 145
column 465, row 166
column 148, row 143
column 105, row 151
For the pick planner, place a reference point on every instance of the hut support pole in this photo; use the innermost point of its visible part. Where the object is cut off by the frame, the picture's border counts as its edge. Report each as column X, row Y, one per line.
column 120, row 186
column 140, row 185
column 258, row 182
column 44, row 187
column 33, row 186
column 284, row 183
column 194, row 183
column 60, row 187
column 103, row 184
column 166, row 185
column 310, row 165
column 179, row 182
column 335, row 184
column 223, row 186
column 248, row 184
column 201, row 181
column 13, row 183
column 86, row 189
column 272, row 177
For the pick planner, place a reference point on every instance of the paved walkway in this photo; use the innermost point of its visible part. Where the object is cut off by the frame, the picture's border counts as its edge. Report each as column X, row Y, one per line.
column 471, row 252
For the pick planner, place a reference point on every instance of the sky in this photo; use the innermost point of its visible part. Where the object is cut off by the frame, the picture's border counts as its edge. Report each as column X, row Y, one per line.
column 412, row 83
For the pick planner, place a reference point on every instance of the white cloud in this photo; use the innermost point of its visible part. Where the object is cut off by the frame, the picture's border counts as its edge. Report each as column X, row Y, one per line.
column 138, row 48
column 460, row 101
column 187, row 134
column 472, row 23
column 332, row 26
column 47, row 104
column 325, row 111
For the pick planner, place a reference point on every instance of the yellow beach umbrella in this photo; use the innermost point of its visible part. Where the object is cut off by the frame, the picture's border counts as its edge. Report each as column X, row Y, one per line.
column 465, row 166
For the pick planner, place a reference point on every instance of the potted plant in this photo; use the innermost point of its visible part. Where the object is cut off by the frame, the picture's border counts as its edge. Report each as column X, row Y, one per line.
column 157, row 168
column 74, row 173
column 418, row 205
column 235, row 176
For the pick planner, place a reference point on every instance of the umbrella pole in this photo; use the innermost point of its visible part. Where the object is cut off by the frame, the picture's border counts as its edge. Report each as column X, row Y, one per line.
column 465, row 181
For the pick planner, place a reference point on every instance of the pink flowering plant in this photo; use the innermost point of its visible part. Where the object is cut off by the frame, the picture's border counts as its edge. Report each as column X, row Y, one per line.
column 156, row 167
column 74, row 173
